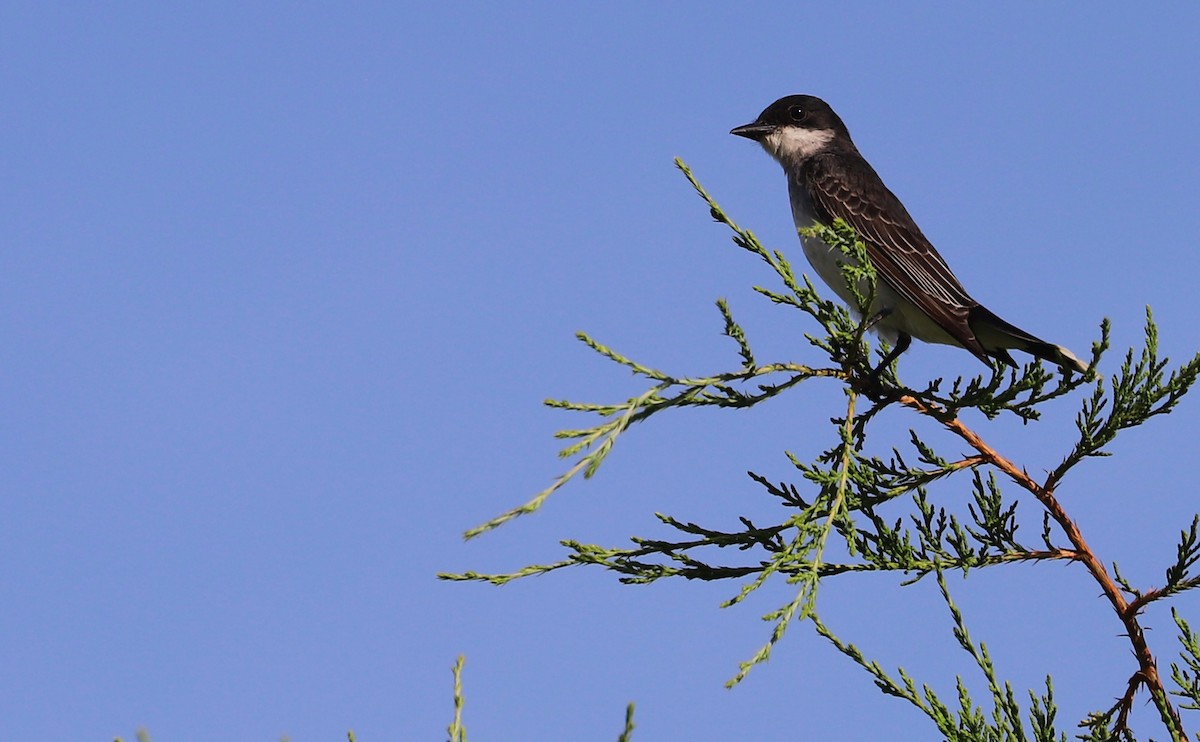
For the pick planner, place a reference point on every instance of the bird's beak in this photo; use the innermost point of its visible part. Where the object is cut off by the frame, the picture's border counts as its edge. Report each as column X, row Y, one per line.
column 755, row 131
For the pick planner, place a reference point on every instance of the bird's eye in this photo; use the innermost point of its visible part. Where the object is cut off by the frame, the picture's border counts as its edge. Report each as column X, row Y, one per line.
column 797, row 114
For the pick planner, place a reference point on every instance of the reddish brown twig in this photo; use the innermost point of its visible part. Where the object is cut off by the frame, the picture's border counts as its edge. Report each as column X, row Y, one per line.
column 1147, row 673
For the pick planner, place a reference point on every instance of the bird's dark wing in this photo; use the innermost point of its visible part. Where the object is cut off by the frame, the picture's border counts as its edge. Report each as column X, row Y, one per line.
column 844, row 186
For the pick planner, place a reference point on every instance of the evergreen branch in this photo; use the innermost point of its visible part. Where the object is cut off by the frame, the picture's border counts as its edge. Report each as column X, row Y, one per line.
column 1114, row 723
column 1139, row 392
column 1124, row 584
column 627, row 732
column 853, row 491
column 970, row 724
column 456, row 730
column 1178, row 579
column 905, row 689
column 595, row 443
column 1042, row 712
column 1148, row 671
column 630, row 562
column 1187, row 677
column 806, row 544
column 502, row 579
column 616, row 357
column 1186, row 555
column 735, row 331
column 1006, row 712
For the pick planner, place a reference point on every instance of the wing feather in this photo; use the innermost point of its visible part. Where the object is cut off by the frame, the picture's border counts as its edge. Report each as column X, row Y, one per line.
column 899, row 251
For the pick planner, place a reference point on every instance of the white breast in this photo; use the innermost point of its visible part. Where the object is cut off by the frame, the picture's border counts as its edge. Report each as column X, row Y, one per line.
column 824, row 259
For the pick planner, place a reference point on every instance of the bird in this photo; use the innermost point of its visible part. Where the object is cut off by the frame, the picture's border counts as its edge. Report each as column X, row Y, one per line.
column 916, row 295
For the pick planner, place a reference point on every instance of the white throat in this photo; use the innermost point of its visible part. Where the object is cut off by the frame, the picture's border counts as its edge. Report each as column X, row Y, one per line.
column 793, row 144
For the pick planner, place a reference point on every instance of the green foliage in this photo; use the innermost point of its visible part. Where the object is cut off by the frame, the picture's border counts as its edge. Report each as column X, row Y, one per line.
column 627, row 731
column 456, row 730
column 833, row 520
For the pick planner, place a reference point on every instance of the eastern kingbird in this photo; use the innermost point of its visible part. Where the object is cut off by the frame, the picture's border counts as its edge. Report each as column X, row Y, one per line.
column 916, row 293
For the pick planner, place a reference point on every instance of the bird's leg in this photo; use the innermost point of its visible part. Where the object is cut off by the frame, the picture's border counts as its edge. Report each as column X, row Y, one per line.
column 871, row 384
column 902, row 342
column 876, row 318
column 873, row 320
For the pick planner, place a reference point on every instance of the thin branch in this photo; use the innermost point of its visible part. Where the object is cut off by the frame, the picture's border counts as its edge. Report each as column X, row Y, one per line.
column 1148, row 667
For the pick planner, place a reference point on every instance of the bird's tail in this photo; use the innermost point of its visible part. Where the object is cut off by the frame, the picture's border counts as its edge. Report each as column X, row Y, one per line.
column 997, row 336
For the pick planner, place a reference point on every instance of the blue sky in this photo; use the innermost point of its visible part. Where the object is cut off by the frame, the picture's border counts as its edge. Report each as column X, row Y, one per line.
column 283, row 288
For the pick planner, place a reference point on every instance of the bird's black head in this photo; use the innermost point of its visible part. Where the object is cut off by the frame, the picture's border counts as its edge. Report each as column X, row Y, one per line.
column 796, row 127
